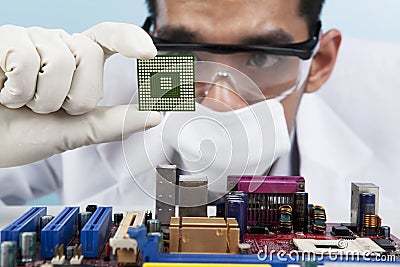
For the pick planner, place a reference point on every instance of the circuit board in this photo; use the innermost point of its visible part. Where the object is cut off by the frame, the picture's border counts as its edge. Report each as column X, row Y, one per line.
column 237, row 235
column 284, row 242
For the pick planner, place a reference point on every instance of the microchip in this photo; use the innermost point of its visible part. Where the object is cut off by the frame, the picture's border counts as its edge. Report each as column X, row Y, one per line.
column 351, row 226
column 166, row 83
column 341, row 231
column 384, row 243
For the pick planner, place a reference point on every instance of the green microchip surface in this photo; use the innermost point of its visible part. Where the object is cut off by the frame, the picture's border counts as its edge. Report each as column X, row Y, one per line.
column 166, row 83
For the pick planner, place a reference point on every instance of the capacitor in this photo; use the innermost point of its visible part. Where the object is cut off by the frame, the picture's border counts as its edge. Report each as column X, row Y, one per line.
column 83, row 218
column 300, row 214
column 159, row 238
column 154, row 226
column 8, row 254
column 118, row 218
column 91, row 208
column 27, row 246
column 244, row 197
column 148, row 216
column 384, row 231
column 44, row 220
column 367, row 206
column 70, row 252
column 235, row 208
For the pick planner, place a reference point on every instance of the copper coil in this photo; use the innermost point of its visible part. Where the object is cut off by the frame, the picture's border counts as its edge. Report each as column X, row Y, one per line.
column 286, row 225
column 321, row 216
column 371, row 220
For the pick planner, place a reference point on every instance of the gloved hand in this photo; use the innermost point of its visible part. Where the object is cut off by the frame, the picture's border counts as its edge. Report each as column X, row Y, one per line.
column 51, row 83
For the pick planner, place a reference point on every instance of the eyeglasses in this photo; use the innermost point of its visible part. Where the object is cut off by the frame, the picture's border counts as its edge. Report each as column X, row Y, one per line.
column 277, row 70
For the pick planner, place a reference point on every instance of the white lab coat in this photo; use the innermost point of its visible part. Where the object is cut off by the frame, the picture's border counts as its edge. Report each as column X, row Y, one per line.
column 346, row 132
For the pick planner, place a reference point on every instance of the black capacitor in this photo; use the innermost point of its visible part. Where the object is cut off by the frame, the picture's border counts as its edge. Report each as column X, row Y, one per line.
column 70, row 252
column 384, row 231
column 300, row 214
column 91, row 208
column 148, row 216
column 44, row 220
column 83, row 218
column 118, row 218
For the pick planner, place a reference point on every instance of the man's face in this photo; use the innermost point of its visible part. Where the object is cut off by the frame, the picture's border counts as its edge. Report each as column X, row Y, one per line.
column 234, row 22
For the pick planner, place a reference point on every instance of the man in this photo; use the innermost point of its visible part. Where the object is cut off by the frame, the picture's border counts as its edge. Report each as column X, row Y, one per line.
column 103, row 173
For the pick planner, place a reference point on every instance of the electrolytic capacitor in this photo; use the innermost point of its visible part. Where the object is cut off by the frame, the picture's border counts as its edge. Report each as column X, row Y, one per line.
column 384, row 231
column 91, row 208
column 70, row 252
column 300, row 213
column 118, row 217
column 148, row 216
column 8, row 254
column 83, row 218
column 367, row 206
column 235, row 208
column 44, row 220
column 27, row 246
column 244, row 197
column 159, row 238
column 154, row 226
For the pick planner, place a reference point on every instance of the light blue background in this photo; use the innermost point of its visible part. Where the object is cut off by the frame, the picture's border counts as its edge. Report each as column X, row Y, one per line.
column 369, row 19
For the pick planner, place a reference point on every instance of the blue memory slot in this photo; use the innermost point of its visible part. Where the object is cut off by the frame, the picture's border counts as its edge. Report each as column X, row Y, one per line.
column 60, row 230
column 96, row 231
column 26, row 223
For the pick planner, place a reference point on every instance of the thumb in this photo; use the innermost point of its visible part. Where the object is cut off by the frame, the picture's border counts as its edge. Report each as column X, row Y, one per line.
column 126, row 39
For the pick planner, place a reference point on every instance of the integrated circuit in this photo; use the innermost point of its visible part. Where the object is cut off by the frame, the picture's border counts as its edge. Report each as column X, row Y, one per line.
column 166, row 83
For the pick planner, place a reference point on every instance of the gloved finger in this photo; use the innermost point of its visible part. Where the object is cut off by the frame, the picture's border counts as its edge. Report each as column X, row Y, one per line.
column 108, row 124
column 20, row 63
column 126, row 39
column 87, row 84
column 57, row 67
column 34, row 137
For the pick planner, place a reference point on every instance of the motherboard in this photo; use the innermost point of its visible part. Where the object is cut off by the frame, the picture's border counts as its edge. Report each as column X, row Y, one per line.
column 261, row 221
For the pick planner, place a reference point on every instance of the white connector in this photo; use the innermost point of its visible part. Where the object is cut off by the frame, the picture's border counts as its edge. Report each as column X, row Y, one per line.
column 58, row 260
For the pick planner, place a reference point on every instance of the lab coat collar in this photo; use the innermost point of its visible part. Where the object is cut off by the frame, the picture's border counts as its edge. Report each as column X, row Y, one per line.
column 326, row 141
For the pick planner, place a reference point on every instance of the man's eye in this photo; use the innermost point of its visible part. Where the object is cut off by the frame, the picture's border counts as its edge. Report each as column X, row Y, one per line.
column 262, row 60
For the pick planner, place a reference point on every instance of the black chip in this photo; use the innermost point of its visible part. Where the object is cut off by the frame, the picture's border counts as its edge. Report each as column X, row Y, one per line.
column 352, row 227
column 385, row 243
column 257, row 230
column 341, row 231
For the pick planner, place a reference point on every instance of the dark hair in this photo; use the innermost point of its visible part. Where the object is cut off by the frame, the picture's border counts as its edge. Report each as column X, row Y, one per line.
column 310, row 9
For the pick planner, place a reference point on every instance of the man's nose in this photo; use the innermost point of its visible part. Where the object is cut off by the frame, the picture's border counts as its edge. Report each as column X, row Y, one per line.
column 222, row 96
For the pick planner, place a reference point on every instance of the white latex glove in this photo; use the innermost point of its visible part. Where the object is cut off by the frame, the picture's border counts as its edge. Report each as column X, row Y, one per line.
column 48, row 77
